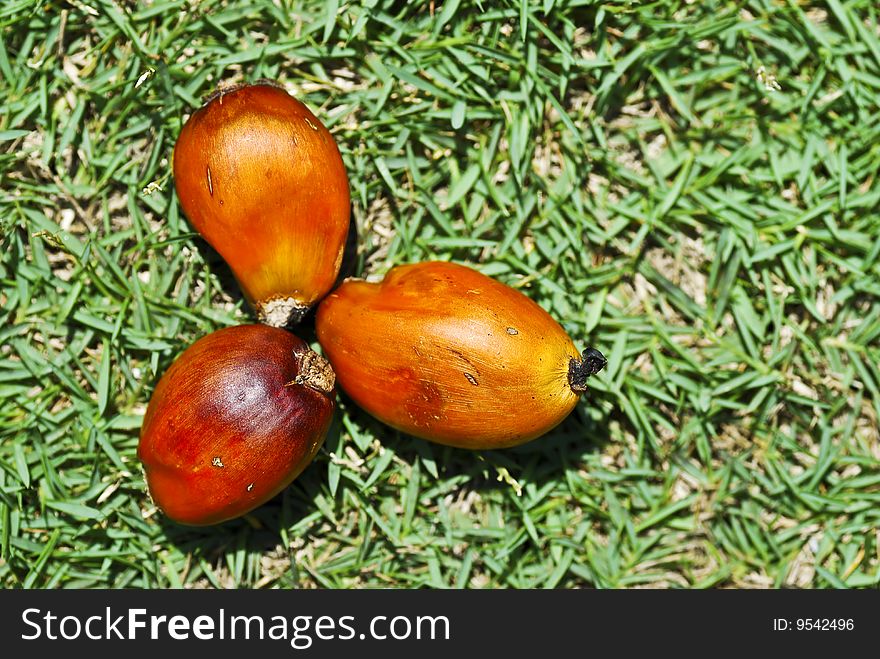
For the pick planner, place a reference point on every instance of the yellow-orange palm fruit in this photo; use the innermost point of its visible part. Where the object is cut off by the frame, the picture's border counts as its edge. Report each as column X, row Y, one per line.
column 262, row 180
column 445, row 353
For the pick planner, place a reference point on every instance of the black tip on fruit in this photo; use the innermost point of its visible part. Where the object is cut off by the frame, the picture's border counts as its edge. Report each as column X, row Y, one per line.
column 579, row 370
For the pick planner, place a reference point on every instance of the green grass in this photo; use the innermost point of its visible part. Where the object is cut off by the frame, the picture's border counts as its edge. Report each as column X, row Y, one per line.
column 689, row 187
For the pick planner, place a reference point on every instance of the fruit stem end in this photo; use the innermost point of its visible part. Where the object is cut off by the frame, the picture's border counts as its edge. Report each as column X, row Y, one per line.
column 283, row 312
column 579, row 370
column 315, row 372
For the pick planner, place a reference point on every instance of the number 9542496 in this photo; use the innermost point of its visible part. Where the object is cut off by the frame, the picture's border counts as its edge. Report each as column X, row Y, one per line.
column 824, row 624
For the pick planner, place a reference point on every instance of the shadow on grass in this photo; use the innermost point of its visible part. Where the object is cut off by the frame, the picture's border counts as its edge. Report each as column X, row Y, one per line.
column 219, row 268
column 539, row 461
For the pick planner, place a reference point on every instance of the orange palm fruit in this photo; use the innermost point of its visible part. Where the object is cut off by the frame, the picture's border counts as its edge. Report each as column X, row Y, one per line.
column 262, row 180
column 237, row 416
column 445, row 353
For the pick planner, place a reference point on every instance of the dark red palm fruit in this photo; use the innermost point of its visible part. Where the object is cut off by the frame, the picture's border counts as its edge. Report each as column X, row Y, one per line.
column 233, row 421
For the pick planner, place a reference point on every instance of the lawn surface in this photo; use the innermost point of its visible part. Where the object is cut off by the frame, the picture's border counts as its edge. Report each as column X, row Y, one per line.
column 690, row 187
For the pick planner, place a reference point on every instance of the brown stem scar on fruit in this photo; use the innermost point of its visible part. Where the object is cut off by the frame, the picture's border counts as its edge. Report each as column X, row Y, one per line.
column 217, row 462
column 472, row 379
column 314, row 372
column 512, row 331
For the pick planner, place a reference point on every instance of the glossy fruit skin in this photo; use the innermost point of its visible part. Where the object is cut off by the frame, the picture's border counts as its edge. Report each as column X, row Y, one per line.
column 233, row 421
column 262, row 180
column 445, row 353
